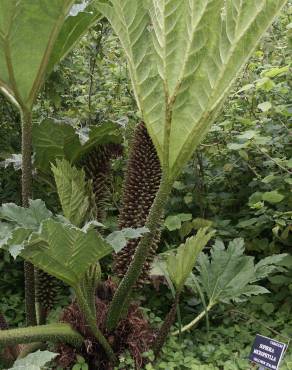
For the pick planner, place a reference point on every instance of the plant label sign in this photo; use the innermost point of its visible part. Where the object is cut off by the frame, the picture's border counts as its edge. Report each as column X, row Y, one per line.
column 267, row 352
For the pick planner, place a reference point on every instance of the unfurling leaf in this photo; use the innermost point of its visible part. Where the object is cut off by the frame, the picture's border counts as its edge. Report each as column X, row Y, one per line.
column 181, row 264
column 73, row 192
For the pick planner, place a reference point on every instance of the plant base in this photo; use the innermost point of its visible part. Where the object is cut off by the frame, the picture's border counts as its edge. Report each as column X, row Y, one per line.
column 133, row 334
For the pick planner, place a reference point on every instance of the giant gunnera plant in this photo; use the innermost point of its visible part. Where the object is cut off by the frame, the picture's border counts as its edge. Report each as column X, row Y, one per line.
column 183, row 58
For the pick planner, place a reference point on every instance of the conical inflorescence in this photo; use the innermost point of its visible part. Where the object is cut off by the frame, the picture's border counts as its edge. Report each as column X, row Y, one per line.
column 141, row 184
column 97, row 167
column 46, row 293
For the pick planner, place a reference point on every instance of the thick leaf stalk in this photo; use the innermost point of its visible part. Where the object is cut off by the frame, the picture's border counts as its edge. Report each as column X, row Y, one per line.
column 130, row 279
column 166, row 326
column 90, row 317
column 54, row 333
column 197, row 319
column 141, row 186
column 26, row 185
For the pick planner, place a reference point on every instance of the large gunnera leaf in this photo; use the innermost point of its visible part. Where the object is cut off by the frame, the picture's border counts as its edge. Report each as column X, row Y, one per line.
column 183, row 57
column 34, row 36
column 65, row 251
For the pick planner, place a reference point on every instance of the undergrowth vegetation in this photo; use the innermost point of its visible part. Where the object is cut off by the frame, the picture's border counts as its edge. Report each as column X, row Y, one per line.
column 154, row 218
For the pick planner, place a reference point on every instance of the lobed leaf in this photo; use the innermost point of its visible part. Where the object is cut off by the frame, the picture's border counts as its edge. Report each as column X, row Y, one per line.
column 183, row 58
column 29, row 218
column 229, row 274
column 65, row 251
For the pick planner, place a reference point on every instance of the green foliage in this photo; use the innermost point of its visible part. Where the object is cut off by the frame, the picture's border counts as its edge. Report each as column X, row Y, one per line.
column 242, row 188
column 24, row 53
column 174, row 222
column 226, row 344
column 73, row 192
column 34, row 361
column 230, row 275
column 21, row 222
column 180, row 264
column 180, row 90
column 29, row 218
column 118, row 239
column 72, row 30
column 64, row 251
column 54, row 140
column 81, row 364
column 50, row 140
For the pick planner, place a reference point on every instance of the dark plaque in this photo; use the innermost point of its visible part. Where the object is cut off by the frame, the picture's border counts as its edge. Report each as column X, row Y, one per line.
column 267, row 352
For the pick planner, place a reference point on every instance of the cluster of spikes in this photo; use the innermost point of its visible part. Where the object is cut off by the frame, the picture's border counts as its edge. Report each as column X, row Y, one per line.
column 97, row 167
column 141, row 184
column 46, row 292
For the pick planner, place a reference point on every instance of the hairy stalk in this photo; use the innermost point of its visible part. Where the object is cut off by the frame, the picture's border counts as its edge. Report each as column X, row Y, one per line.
column 90, row 317
column 125, row 288
column 195, row 321
column 44, row 333
column 166, row 326
column 26, row 185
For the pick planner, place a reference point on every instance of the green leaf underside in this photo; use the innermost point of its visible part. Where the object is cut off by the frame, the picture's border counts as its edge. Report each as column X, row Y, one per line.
column 180, row 265
column 64, row 251
column 28, row 30
column 188, row 53
column 229, row 274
